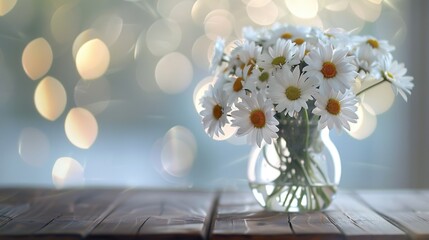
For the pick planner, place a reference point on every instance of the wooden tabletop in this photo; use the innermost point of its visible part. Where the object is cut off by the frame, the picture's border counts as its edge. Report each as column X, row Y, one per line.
column 194, row 214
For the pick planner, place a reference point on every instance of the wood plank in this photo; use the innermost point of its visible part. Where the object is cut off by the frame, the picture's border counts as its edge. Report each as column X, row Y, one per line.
column 357, row 221
column 407, row 209
column 68, row 213
column 240, row 217
column 153, row 214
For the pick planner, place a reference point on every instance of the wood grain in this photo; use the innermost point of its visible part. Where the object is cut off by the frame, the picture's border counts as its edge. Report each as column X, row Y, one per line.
column 357, row 221
column 407, row 209
column 194, row 214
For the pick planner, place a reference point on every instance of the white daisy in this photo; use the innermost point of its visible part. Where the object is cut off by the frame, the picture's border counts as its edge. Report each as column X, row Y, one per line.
column 381, row 48
column 259, row 78
column 331, row 67
column 215, row 109
column 394, row 73
column 255, row 117
column 283, row 54
column 366, row 63
column 237, row 85
column 217, row 54
column 336, row 109
column 296, row 34
column 291, row 90
column 250, row 52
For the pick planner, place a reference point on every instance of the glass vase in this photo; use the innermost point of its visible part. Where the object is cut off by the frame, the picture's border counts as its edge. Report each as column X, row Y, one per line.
column 299, row 171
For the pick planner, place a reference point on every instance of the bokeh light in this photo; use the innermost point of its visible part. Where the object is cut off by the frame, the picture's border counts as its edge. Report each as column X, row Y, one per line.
column 65, row 23
column 33, row 146
column 201, row 8
column 173, row 73
column 93, row 95
column 82, row 38
column 262, row 12
column 81, row 127
column 178, row 151
column 303, row 8
column 346, row 20
column 199, row 54
column 365, row 126
column 376, row 104
column 6, row 6
column 50, row 98
column 199, row 91
column 218, row 23
column 67, row 172
column 163, row 36
column 92, row 59
column 366, row 10
column 37, row 58
column 396, row 35
column 336, row 5
column 109, row 28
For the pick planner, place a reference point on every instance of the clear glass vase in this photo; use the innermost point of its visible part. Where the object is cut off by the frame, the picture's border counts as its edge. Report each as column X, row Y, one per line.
column 299, row 171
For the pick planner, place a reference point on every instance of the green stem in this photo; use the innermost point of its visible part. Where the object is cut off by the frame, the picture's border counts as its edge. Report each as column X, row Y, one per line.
column 372, row 86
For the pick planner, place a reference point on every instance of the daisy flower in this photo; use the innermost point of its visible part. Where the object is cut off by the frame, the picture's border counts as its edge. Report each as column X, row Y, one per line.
column 254, row 117
column 296, row 34
column 331, row 67
column 259, row 78
column 336, row 109
column 291, row 91
column 217, row 54
column 279, row 56
column 380, row 48
column 215, row 109
column 366, row 63
column 249, row 53
column 237, row 84
column 394, row 73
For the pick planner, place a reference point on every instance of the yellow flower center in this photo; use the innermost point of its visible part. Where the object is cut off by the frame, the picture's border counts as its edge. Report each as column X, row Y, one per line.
column 264, row 77
column 293, row 93
column 237, row 86
column 286, row 35
column 279, row 61
column 373, row 43
column 257, row 117
column 217, row 112
column 389, row 75
column 333, row 107
column 299, row 41
column 329, row 70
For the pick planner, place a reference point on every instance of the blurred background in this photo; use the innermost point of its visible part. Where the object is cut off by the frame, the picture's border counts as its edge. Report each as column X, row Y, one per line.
column 104, row 92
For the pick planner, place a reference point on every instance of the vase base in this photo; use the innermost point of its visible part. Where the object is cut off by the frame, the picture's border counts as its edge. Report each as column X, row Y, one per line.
column 293, row 198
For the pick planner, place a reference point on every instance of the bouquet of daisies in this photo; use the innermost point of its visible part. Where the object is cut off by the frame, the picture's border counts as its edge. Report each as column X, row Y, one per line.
column 287, row 71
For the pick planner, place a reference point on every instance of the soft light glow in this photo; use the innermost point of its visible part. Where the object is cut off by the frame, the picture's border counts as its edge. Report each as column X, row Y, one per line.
column 173, row 73
column 164, row 7
column 264, row 13
column 50, row 98
column 199, row 91
column 93, row 95
column 33, row 146
column 201, row 8
column 81, row 128
column 346, row 20
column 67, row 172
column 336, row 5
column 65, row 23
column 199, row 52
column 82, row 38
column 396, row 35
column 37, row 58
column 178, row 151
column 92, row 59
column 218, row 23
column 163, row 36
column 366, row 10
column 303, row 8
column 365, row 126
column 376, row 104
column 109, row 27
column 6, row 6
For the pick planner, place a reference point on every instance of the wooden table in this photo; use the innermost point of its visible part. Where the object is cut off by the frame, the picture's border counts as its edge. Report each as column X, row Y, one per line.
column 193, row 214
